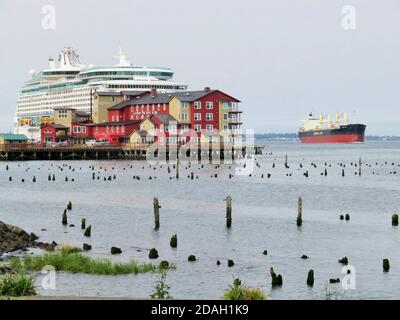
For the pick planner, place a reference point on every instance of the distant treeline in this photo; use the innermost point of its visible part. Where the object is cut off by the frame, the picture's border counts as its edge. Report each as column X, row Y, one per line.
column 374, row 138
column 276, row 136
column 294, row 136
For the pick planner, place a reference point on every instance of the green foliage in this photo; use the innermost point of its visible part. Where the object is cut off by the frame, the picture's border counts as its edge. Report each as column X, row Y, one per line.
column 78, row 263
column 16, row 285
column 161, row 290
column 237, row 291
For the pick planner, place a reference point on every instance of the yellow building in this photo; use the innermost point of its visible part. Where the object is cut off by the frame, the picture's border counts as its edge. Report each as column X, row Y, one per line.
column 181, row 111
column 66, row 116
column 101, row 102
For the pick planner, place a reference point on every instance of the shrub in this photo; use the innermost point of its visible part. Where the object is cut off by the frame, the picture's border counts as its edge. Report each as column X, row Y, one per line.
column 161, row 290
column 17, row 285
column 237, row 291
column 78, row 263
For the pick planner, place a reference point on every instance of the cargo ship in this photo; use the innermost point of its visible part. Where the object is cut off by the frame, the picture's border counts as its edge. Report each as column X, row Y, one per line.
column 323, row 130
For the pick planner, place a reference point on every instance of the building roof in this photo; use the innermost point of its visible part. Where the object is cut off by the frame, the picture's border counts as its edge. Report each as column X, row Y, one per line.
column 142, row 133
column 82, row 113
column 82, row 122
column 55, row 125
column 121, row 123
column 14, row 137
column 164, row 118
column 147, row 98
column 190, row 96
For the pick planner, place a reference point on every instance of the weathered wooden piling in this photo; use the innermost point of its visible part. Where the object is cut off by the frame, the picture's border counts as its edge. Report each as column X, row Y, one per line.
column 83, row 223
column 177, row 168
column 65, row 218
column 230, row 263
column 157, row 208
column 359, row 166
column 88, row 232
column 386, row 265
column 344, row 261
column 86, row 247
column 69, row 206
column 228, row 211
column 174, row 241
column 310, row 278
column 347, row 217
column 286, row 162
column 276, row 279
column 192, row 258
column 164, row 264
column 153, row 253
column 395, row 219
column 299, row 212
column 115, row 250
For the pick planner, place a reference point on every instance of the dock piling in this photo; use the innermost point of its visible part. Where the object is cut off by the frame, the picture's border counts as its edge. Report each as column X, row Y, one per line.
column 157, row 207
column 228, row 211
column 299, row 212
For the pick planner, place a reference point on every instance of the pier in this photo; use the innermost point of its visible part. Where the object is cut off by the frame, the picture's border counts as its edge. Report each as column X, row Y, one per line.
column 32, row 152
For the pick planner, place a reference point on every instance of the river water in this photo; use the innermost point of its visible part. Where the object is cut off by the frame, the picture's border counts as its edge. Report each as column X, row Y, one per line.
column 264, row 218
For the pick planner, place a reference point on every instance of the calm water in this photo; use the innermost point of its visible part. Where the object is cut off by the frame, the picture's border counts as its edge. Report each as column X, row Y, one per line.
column 264, row 218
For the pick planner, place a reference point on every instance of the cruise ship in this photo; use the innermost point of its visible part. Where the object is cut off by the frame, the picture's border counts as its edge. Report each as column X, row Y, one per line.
column 72, row 84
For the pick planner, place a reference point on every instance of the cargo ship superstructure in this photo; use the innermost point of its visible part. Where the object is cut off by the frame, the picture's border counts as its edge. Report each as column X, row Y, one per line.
column 72, row 84
column 323, row 130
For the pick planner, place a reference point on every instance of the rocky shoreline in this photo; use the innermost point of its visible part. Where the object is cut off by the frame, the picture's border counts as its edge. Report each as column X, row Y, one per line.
column 13, row 238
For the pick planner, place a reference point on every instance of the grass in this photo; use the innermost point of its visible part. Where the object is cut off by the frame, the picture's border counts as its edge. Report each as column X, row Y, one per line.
column 16, row 285
column 77, row 263
column 65, row 247
column 237, row 291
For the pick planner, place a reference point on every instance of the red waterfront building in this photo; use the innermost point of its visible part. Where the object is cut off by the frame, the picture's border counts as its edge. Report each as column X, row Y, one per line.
column 203, row 111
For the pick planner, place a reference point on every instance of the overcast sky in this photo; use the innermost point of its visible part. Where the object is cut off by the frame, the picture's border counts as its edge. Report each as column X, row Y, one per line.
column 281, row 58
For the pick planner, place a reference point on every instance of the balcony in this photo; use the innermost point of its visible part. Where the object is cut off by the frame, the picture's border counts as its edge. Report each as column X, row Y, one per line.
column 233, row 108
column 235, row 119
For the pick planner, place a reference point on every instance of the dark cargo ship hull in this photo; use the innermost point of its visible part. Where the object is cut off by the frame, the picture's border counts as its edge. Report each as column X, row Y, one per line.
column 345, row 134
